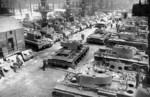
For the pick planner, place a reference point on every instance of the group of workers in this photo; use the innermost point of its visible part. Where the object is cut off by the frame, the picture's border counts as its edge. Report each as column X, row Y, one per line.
column 13, row 64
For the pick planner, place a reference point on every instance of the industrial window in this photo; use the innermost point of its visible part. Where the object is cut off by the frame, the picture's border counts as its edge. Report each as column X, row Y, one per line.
column 56, row 5
column 50, row 6
column 11, row 32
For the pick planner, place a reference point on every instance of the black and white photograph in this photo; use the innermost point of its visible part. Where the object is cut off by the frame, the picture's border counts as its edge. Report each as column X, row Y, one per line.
column 74, row 48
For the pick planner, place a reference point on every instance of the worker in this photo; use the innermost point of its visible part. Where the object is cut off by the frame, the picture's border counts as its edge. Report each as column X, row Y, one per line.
column 45, row 63
column 1, row 72
column 111, row 25
column 117, row 26
column 82, row 36
column 103, row 62
column 138, row 78
column 15, row 66
column 19, row 61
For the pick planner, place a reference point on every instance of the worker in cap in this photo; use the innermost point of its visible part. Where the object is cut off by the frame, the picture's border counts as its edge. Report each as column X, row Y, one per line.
column 45, row 63
column 82, row 36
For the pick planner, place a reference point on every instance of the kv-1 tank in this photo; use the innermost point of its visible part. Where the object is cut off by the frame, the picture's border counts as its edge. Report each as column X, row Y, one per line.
column 69, row 55
column 98, row 37
column 123, row 53
column 99, row 82
column 128, row 28
column 127, row 38
column 37, row 41
column 101, row 25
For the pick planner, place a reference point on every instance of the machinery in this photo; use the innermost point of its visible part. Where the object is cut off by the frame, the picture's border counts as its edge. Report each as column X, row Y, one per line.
column 129, row 28
column 130, row 22
column 98, row 37
column 56, row 37
column 92, row 22
column 123, row 53
column 87, row 23
column 75, row 29
column 96, row 82
column 69, row 55
column 143, row 31
column 81, row 25
column 128, row 38
column 37, row 41
column 101, row 25
column 143, row 27
column 6, row 63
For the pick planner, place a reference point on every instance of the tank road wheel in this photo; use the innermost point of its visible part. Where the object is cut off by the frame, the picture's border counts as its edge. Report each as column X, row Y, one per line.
column 110, row 44
column 49, row 45
column 84, row 54
column 38, row 48
column 80, row 58
column 73, row 65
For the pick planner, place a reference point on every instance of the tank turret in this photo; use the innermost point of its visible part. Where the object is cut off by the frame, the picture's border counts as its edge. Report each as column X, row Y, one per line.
column 71, row 45
column 124, row 51
column 92, row 79
column 35, row 39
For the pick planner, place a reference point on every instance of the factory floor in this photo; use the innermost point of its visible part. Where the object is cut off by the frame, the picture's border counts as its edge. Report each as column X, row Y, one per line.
column 31, row 81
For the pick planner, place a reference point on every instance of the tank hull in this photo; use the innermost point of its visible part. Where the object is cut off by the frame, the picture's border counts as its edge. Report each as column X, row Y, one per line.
column 115, row 89
column 99, row 38
column 139, row 45
column 38, row 45
column 96, row 40
column 112, row 57
column 67, row 62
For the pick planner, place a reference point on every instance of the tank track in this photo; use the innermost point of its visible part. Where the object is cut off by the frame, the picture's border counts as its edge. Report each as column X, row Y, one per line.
column 58, row 93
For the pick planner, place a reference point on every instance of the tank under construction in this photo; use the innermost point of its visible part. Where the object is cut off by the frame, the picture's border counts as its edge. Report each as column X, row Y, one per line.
column 123, row 53
column 97, row 81
column 37, row 41
column 128, row 38
column 69, row 55
column 128, row 28
column 98, row 37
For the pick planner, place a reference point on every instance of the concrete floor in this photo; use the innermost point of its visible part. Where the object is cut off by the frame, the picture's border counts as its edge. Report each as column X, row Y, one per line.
column 31, row 81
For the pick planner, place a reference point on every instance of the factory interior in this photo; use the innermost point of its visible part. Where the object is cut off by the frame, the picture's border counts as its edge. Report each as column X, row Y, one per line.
column 74, row 48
